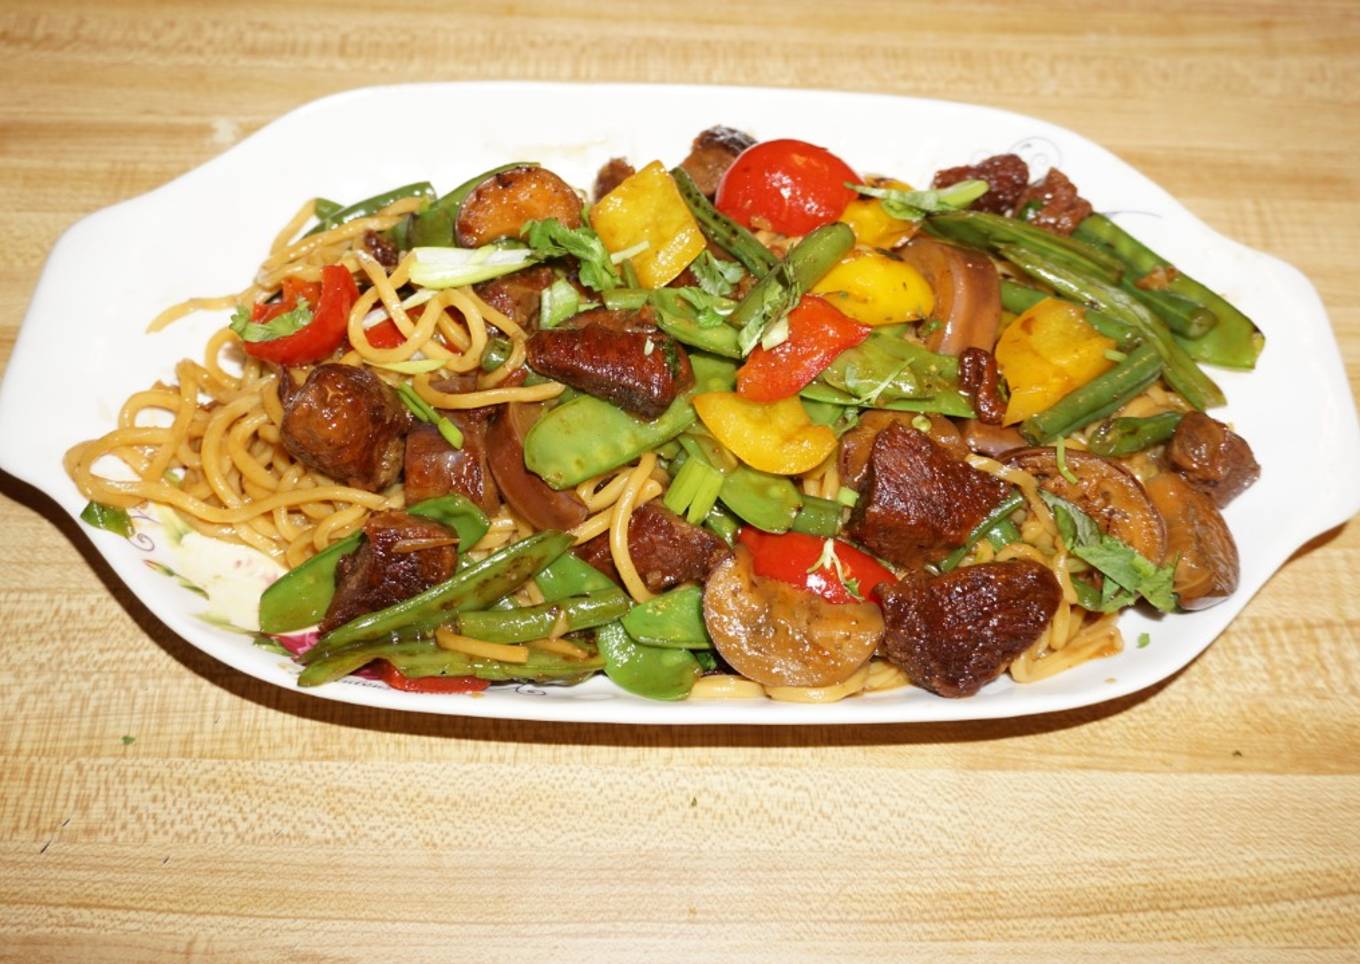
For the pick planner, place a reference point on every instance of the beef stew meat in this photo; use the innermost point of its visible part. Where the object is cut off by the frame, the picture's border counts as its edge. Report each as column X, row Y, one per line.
column 638, row 368
column 518, row 295
column 1059, row 208
column 433, row 467
column 666, row 550
column 918, row 501
column 346, row 424
column 956, row 633
column 401, row 555
column 615, row 171
column 1212, row 457
column 712, row 153
column 1006, row 175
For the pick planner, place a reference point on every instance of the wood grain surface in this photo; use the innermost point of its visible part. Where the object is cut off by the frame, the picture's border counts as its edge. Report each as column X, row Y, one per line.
column 155, row 805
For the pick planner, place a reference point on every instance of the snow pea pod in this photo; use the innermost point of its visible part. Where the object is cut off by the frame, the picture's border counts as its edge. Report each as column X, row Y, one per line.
column 768, row 502
column 651, row 671
column 677, row 318
column 300, row 597
column 674, row 620
column 475, row 587
column 372, row 205
column 523, row 623
column 888, row 371
column 568, row 575
column 587, row 436
column 433, row 227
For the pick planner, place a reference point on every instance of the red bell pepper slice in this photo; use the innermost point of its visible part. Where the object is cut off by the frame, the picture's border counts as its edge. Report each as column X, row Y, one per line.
column 394, row 678
column 323, row 334
column 385, row 334
column 818, row 332
column 793, row 557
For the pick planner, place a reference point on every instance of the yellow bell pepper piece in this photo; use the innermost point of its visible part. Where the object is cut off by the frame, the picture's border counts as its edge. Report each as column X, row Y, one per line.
column 648, row 207
column 873, row 226
column 776, row 437
column 1047, row 352
column 875, row 289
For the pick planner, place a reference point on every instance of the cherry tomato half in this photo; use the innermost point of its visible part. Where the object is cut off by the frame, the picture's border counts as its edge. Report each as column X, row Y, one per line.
column 786, row 185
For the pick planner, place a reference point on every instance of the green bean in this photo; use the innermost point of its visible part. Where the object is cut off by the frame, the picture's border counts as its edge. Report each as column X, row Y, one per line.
column 301, row 596
column 1097, row 398
column 570, row 575
column 722, row 230
column 475, row 587
column 1180, row 369
column 626, row 299
column 372, row 205
column 1235, row 341
column 1000, row 514
column 818, row 517
column 1124, row 436
column 981, row 229
column 323, row 207
column 651, row 671
column 674, row 619
column 768, row 502
column 1181, row 315
column 1003, row 534
column 496, row 352
column 804, row 265
column 524, row 623
column 677, row 318
column 1017, row 299
column 422, row 658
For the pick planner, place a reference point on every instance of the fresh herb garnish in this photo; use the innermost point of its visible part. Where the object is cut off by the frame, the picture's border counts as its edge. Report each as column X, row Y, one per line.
column 551, row 238
column 280, row 326
column 1060, row 456
column 830, row 561
column 915, row 205
column 776, row 302
column 711, row 310
column 1143, row 640
column 715, row 276
column 1128, row 574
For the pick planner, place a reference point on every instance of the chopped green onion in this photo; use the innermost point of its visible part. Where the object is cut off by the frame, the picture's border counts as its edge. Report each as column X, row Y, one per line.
column 558, row 302
column 110, row 518
column 436, row 267
column 625, row 299
column 921, row 423
column 776, row 334
column 847, row 496
column 422, row 410
column 618, row 257
column 412, row 366
column 1060, row 453
column 694, row 490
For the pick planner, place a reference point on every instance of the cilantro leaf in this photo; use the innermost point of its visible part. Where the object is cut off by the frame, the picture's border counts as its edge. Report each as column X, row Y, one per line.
column 716, row 277
column 281, row 326
column 711, row 310
column 1128, row 574
column 551, row 238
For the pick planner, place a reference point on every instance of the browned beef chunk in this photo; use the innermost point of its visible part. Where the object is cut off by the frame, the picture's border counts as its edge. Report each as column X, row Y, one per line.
column 518, row 295
column 712, row 153
column 956, row 633
column 978, row 376
column 435, row 468
column 614, row 172
column 666, row 550
column 1060, row 209
column 382, row 249
column 918, row 501
column 858, row 443
column 1006, row 176
column 345, row 423
column 401, row 555
column 501, row 205
column 1213, row 457
column 640, row 370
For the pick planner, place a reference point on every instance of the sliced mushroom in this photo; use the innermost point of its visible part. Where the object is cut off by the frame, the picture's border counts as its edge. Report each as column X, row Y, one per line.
column 990, row 440
column 1207, row 565
column 1106, row 492
column 501, row 205
column 967, row 294
column 542, row 506
column 779, row 635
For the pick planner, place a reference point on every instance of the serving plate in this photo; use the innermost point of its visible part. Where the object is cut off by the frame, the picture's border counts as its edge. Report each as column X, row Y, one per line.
column 205, row 233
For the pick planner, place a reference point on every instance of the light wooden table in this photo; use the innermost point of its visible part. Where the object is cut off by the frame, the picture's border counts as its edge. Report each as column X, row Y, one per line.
column 154, row 804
